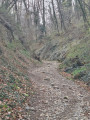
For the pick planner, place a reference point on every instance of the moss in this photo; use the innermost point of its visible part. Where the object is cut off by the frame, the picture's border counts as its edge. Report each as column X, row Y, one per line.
column 78, row 71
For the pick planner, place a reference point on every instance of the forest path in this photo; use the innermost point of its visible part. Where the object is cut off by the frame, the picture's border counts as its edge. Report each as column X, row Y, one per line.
column 57, row 97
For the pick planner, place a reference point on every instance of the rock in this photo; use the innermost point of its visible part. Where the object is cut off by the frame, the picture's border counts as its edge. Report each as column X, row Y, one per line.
column 52, row 84
column 42, row 114
column 66, row 97
column 55, row 87
column 43, row 72
column 47, row 79
column 70, row 88
column 27, row 108
column 68, row 69
column 46, row 102
column 9, row 113
column 55, row 102
column 81, row 95
column 30, row 108
column 48, row 66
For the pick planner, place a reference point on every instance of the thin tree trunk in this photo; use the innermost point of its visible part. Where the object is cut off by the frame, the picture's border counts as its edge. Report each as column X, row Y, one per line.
column 55, row 18
column 44, row 22
column 83, row 11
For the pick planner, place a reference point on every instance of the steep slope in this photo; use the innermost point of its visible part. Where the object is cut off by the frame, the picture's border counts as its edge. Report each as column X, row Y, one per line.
column 15, row 85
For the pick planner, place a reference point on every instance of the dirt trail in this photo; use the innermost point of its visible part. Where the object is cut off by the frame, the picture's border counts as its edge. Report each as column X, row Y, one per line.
column 57, row 98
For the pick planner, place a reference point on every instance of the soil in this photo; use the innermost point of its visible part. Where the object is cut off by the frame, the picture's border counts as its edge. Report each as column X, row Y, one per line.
column 56, row 98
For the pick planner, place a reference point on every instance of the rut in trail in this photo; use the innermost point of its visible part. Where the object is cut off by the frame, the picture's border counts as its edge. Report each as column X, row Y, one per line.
column 57, row 98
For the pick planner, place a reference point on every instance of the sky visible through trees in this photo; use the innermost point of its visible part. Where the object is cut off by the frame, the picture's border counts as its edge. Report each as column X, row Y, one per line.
column 44, row 16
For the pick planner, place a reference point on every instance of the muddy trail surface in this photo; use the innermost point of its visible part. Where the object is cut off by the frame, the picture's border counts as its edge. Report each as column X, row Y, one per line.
column 57, row 98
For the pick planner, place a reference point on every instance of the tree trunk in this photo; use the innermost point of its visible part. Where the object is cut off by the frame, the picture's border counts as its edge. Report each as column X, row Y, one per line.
column 61, row 14
column 54, row 17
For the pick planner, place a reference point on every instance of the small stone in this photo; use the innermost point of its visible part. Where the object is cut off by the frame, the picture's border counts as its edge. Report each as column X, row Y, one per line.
column 47, row 115
column 64, row 85
column 44, row 110
column 66, row 97
column 56, row 87
column 66, row 101
column 70, row 88
column 9, row 113
column 52, row 84
column 48, row 66
column 27, row 108
column 81, row 95
column 43, row 72
column 56, row 112
column 47, row 79
column 42, row 114
column 55, row 102
column 32, row 109
column 46, row 101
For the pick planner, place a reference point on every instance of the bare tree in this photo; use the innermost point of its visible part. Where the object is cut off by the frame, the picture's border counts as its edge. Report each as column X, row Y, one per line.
column 54, row 17
column 61, row 16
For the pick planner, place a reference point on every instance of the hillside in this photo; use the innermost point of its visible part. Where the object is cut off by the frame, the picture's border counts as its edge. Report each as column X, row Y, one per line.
column 15, row 85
